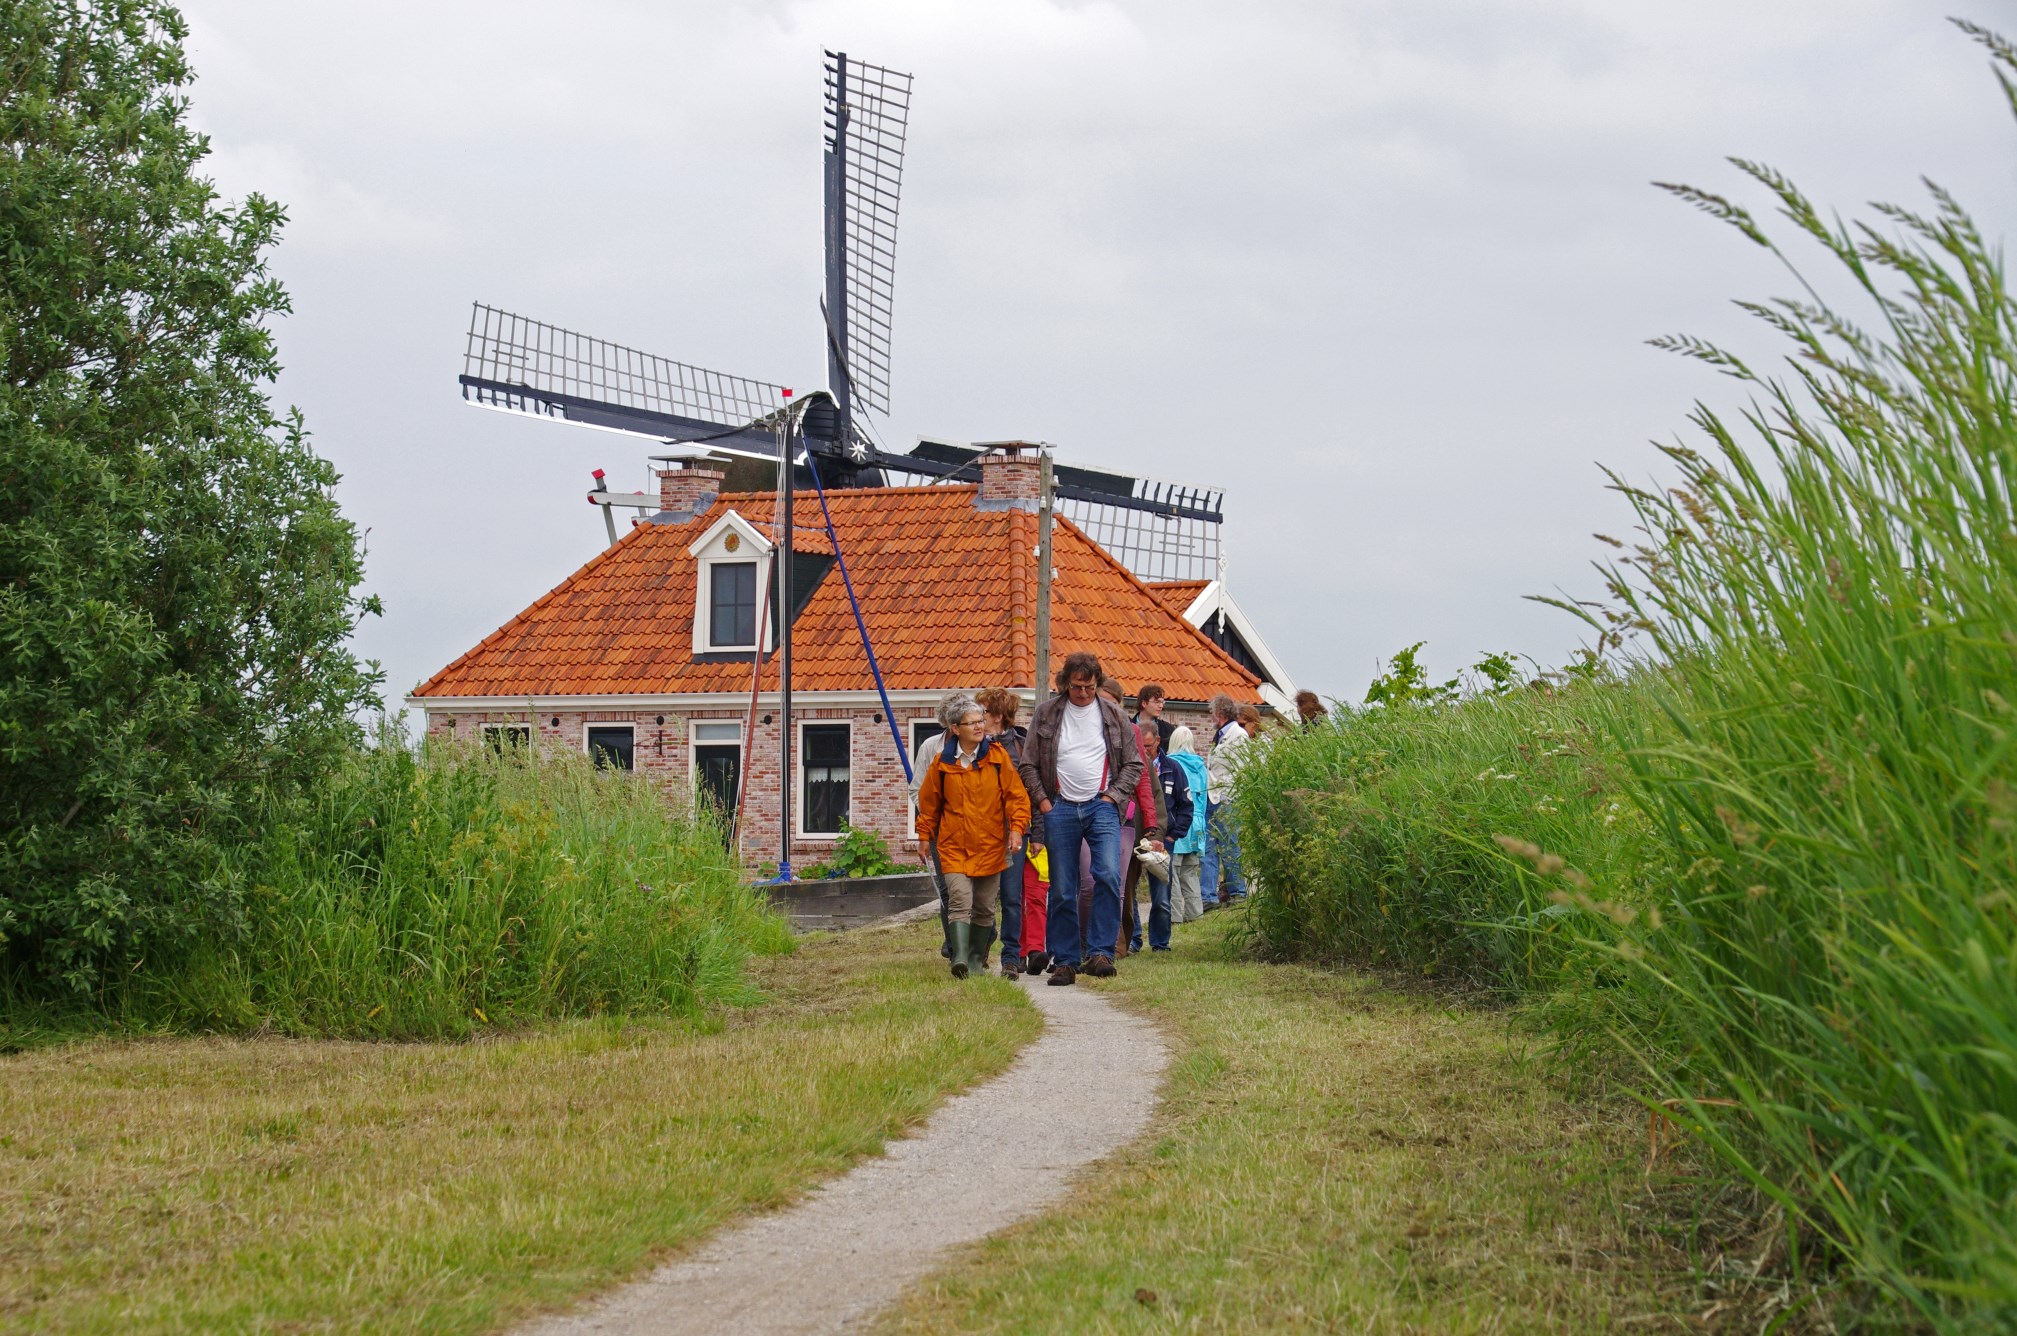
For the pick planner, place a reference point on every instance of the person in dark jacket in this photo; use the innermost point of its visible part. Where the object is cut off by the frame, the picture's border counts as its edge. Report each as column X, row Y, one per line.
column 1080, row 764
column 1139, row 821
column 1172, row 823
column 1149, row 703
column 1002, row 706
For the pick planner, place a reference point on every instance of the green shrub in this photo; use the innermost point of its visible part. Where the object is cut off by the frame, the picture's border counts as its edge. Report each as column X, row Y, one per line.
column 427, row 895
column 177, row 585
column 857, row 853
column 1457, row 838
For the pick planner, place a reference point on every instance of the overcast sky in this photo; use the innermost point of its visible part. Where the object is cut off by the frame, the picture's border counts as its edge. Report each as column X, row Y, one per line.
column 1382, row 270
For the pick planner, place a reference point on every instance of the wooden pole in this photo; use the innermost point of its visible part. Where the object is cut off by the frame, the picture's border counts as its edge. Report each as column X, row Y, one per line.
column 1046, row 501
column 780, row 589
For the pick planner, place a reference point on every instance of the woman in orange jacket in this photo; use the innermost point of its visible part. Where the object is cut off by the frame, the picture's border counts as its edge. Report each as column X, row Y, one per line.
column 971, row 809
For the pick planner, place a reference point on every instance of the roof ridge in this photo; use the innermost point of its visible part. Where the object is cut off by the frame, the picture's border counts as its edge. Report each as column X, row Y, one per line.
column 1022, row 573
column 1245, row 673
column 838, row 493
column 530, row 608
column 944, row 602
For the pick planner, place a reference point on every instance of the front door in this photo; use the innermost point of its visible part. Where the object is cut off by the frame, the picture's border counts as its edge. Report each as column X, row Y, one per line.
column 718, row 775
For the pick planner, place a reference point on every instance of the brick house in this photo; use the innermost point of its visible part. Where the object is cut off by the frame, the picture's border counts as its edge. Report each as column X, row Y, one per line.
column 648, row 655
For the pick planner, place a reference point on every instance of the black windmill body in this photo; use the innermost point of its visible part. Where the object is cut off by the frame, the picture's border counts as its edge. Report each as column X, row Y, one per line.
column 1161, row 531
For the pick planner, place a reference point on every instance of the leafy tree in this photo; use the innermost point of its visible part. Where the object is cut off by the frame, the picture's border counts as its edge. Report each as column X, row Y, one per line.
column 177, row 586
column 1406, row 682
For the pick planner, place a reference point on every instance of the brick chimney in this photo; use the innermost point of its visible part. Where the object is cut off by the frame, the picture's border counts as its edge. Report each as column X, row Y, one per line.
column 688, row 487
column 1010, row 479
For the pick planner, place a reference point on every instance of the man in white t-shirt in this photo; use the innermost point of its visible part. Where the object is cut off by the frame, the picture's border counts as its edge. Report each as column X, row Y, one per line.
column 1080, row 765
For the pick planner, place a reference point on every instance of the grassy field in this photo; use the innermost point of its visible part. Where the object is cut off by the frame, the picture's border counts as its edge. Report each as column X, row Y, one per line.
column 1335, row 1154
column 280, row 1185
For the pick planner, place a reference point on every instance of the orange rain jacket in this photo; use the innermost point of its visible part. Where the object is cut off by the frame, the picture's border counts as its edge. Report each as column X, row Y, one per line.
column 970, row 811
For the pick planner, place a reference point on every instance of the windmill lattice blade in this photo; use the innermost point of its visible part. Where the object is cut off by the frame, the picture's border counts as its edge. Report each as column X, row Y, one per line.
column 533, row 367
column 1158, row 530
column 878, row 117
column 1154, row 545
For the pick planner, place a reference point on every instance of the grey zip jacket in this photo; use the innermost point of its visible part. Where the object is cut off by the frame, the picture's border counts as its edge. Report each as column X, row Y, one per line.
column 1039, row 765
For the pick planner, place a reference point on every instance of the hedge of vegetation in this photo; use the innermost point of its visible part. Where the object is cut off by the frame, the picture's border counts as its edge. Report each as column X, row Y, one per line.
column 1777, row 858
column 436, row 893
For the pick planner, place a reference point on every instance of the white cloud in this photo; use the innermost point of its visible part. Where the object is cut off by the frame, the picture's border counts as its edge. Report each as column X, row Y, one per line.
column 1381, row 268
column 325, row 215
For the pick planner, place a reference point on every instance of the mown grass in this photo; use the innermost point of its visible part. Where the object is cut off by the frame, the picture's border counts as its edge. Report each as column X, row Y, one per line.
column 1802, row 927
column 1334, row 1153
column 271, row 1184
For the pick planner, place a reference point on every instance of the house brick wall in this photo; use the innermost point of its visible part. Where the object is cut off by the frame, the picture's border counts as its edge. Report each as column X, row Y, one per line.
column 878, row 799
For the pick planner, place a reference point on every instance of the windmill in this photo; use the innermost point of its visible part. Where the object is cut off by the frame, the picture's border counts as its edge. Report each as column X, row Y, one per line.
column 1161, row 531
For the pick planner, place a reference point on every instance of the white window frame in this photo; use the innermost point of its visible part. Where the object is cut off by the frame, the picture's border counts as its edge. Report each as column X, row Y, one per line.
column 799, row 805
column 706, row 609
column 711, row 550
column 630, row 724
column 694, row 742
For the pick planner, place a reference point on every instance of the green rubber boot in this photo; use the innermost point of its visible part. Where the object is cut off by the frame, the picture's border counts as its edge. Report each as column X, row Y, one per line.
column 983, row 939
column 962, row 940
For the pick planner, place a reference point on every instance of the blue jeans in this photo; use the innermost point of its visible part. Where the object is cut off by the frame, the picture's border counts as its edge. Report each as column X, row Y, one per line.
column 1222, row 849
column 1159, row 915
column 1098, row 826
column 1012, row 903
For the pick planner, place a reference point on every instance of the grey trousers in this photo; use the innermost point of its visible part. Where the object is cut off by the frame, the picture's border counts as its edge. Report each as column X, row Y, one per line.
column 971, row 899
column 1186, row 896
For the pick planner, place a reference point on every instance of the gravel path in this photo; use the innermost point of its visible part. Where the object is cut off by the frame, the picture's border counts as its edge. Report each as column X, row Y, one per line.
column 1001, row 1152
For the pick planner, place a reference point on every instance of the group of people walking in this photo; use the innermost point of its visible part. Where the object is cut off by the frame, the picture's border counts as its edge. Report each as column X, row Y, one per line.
column 1059, row 826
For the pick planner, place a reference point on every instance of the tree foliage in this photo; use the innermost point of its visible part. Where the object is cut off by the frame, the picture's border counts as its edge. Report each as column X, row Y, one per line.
column 177, row 586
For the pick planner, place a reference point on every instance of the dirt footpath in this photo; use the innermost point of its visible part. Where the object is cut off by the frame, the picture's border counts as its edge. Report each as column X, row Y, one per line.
column 995, row 1155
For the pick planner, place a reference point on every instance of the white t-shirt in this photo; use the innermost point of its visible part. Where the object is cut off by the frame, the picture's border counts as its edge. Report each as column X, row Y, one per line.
column 1082, row 754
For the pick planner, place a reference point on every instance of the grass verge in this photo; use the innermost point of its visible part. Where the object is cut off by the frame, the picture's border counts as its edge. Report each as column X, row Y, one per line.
column 274, row 1184
column 1335, row 1154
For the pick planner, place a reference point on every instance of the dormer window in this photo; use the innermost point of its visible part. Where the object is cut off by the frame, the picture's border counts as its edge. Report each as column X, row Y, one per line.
column 731, row 599
column 732, row 578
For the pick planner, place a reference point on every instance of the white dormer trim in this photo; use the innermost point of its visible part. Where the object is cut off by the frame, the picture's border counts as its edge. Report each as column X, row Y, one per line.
column 1276, row 688
column 711, row 549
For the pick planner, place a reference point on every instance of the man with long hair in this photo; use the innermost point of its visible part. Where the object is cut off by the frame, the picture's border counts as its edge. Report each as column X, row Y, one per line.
column 1081, row 764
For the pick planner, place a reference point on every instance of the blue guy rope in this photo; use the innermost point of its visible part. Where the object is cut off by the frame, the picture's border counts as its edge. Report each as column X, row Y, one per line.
column 902, row 755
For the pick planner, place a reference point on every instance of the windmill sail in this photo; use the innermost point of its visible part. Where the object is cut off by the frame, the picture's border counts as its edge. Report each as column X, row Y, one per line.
column 1159, row 530
column 528, row 366
column 867, row 117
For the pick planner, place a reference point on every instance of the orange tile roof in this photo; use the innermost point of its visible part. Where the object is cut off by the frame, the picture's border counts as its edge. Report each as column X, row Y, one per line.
column 948, row 592
column 1178, row 595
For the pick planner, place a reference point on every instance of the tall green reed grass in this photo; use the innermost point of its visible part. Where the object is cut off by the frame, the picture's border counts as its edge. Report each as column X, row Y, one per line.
column 1812, row 935
column 437, row 893
column 1447, row 838
column 1833, row 593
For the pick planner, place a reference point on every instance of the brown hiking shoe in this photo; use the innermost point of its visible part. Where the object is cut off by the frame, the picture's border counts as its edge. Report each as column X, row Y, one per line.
column 1100, row 967
column 1062, row 976
column 1011, row 967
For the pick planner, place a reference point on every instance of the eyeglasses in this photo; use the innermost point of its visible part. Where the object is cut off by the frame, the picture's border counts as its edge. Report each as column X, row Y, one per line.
column 1086, row 687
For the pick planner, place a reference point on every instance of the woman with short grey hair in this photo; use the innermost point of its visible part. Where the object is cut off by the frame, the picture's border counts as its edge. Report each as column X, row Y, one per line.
column 955, row 707
column 971, row 809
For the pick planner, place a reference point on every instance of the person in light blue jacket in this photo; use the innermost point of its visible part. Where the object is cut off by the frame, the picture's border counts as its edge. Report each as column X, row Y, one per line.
column 1186, row 855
